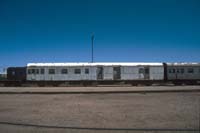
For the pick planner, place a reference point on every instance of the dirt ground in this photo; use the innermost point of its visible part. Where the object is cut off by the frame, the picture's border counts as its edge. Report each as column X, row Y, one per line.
column 91, row 113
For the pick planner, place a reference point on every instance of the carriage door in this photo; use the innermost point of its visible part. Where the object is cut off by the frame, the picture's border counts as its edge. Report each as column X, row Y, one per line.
column 116, row 73
column 146, row 73
column 99, row 73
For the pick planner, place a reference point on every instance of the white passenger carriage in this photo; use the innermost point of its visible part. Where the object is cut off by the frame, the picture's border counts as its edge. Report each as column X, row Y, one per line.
column 94, row 71
column 85, row 74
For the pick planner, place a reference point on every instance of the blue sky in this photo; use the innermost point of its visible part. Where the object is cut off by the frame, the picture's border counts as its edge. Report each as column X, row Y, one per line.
column 125, row 31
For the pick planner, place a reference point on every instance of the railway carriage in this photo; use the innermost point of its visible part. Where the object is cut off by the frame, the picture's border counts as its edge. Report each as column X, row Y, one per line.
column 188, row 73
column 94, row 71
column 59, row 72
column 16, row 73
column 44, row 74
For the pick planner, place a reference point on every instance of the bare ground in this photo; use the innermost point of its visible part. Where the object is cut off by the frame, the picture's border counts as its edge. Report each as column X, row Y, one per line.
column 113, row 111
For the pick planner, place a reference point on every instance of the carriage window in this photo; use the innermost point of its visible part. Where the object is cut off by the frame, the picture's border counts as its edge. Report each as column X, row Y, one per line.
column 146, row 71
column 64, row 71
column 190, row 70
column 33, row 71
column 77, row 71
column 174, row 70
column 86, row 71
column 178, row 71
column 51, row 71
column 41, row 71
column 29, row 71
column 182, row 70
column 170, row 70
column 36, row 71
column 141, row 70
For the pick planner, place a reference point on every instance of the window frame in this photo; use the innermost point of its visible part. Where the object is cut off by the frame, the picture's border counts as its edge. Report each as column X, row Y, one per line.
column 33, row 71
column 29, row 71
column 182, row 70
column 52, row 71
column 42, row 71
column 77, row 71
column 178, row 70
column 169, row 70
column 190, row 70
column 37, row 71
column 87, row 71
column 173, row 70
column 141, row 70
column 64, row 71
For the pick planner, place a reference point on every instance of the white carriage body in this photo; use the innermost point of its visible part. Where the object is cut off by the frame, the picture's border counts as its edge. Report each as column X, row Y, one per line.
column 94, row 71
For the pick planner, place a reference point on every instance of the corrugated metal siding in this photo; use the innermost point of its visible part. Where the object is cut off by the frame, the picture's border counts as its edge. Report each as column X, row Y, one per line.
column 62, row 77
column 132, row 73
column 156, row 73
column 185, row 75
column 108, row 73
column 127, row 73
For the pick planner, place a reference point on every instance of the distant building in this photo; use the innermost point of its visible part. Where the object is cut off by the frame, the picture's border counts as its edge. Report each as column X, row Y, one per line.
column 3, row 74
